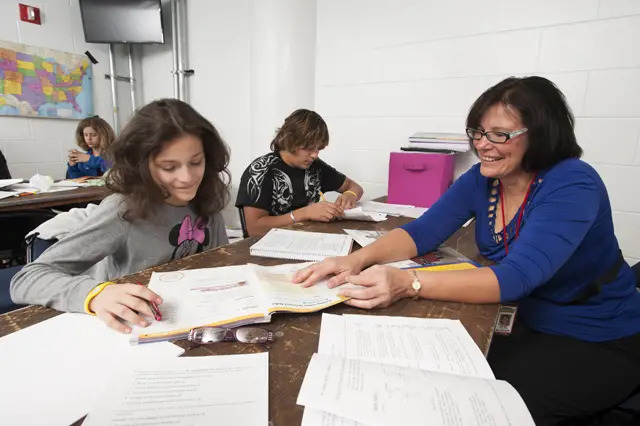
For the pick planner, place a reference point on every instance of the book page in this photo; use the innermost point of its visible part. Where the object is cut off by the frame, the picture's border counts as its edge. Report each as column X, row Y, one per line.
column 53, row 372
column 285, row 296
column 440, row 345
column 208, row 390
column 378, row 394
column 315, row 246
column 199, row 297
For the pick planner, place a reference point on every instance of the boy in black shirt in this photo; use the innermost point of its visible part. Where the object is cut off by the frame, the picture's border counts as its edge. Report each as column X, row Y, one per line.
column 285, row 186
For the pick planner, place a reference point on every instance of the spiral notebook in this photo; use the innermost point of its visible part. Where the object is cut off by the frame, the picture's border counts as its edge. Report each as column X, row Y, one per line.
column 300, row 245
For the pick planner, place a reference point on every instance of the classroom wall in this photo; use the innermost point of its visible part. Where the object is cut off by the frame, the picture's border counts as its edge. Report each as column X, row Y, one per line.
column 385, row 69
column 40, row 145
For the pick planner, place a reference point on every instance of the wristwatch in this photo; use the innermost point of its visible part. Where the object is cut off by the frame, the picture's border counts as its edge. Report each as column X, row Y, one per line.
column 416, row 285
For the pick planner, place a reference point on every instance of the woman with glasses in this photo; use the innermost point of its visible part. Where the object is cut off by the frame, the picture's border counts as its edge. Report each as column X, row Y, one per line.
column 543, row 216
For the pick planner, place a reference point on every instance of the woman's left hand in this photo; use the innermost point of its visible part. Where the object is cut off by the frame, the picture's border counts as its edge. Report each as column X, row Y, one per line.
column 381, row 286
column 346, row 201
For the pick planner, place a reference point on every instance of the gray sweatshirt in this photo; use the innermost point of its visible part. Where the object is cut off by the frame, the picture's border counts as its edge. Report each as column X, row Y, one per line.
column 107, row 247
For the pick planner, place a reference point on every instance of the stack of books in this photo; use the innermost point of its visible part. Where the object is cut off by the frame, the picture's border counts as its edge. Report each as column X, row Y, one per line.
column 438, row 142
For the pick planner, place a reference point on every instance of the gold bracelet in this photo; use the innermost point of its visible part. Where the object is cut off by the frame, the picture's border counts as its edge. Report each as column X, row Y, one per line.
column 351, row 192
column 92, row 294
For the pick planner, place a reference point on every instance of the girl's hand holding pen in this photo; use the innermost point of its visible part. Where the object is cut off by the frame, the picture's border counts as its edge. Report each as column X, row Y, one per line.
column 128, row 302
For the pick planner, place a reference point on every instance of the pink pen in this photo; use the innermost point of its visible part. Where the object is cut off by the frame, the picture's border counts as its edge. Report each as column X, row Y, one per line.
column 154, row 308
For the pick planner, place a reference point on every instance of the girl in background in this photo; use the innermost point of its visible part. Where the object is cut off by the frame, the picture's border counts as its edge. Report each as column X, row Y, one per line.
column 170, row 183
column 93, row 135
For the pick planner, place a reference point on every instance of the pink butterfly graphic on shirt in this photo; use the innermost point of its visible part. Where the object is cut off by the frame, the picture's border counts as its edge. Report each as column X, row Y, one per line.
column 191, row 232
column 189, row 237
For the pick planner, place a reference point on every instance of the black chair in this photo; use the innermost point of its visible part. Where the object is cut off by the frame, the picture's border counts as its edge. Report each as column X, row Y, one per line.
column 636, row 269
column 6, row 304
column 36, row 246
column 243, row 223
column 15, row 226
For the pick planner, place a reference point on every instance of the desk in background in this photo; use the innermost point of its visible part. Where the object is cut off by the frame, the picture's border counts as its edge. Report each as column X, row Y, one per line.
column 289, row 355
column 54, row 199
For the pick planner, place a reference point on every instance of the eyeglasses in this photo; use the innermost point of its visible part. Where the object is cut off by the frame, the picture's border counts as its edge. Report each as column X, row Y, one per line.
column 494, row 136
column 219, row 334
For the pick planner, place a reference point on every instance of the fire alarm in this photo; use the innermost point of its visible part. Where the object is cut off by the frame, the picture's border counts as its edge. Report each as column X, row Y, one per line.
column 29, row 14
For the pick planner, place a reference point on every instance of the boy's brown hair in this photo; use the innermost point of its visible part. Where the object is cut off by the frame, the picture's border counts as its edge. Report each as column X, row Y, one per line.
column 102, row 128
column 303, row 129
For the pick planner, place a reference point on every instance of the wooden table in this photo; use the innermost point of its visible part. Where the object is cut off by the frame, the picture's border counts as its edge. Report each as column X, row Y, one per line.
column 290, row 354
column 53, row 199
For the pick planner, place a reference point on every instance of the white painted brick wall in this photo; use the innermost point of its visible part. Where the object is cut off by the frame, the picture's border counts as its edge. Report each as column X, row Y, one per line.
column 386, row 69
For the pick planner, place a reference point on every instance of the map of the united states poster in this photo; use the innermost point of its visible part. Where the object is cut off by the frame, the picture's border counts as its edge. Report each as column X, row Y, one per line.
column 38, row 82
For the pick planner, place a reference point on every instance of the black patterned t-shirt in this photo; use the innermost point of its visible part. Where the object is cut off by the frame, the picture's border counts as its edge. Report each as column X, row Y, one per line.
column 271, row 184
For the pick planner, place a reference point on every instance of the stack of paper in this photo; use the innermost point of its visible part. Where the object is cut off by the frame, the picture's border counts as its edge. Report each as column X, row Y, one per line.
column 210, row 390
column 53, row 372
column 372, row 370
column 439, row 142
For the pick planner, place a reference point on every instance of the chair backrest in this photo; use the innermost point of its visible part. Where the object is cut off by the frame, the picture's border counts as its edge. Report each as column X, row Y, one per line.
column 15, row 226
column 36, row 246
column 636, row 269
column 243, row 223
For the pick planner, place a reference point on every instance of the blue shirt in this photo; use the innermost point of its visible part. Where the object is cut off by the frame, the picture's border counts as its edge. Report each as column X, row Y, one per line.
column 566, row 241
column 96, row 166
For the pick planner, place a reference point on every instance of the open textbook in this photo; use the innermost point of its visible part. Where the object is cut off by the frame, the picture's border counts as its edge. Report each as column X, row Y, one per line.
column 373, row 370
column 191, row 391
column 229, row 296
column 301, row 245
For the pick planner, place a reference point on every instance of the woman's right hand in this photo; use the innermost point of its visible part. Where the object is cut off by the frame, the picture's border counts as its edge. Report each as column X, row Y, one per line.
column 322, row 212
column 342, row 267
column 126, row 302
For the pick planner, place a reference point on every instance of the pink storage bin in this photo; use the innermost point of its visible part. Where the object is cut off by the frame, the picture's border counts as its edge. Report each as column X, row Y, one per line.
column 419, row 178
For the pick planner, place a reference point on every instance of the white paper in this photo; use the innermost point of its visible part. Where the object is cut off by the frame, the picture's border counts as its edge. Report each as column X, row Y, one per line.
column 364, row 237
column 27, row 187
column 312, row 417
column 7, row 182
column 378, row 394
column 70, row 183
column 8, row 194
column 439, row 345
column 300, row 245
column 357, row 213
column 414, row 212
column 190, row 391
column 53, row 371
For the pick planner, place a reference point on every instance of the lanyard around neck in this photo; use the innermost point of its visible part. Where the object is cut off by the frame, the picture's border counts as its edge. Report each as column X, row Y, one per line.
column 522, row 206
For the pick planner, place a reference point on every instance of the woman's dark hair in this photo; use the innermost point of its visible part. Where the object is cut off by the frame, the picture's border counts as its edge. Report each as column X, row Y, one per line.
column 102, row 128
column 151, row 127
column 543, row 110
column 303, row 129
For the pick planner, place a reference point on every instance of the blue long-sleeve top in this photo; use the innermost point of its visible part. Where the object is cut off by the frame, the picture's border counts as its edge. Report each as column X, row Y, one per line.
column 96, row 166
column 566, row 241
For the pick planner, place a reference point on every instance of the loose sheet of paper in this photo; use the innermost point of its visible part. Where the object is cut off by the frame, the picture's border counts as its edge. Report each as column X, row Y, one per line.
column 378, row 394
column 7, row 182
column 440, row 345
column 364, row 237
column 53, row 371
column 357, row 213
column 209, row 390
